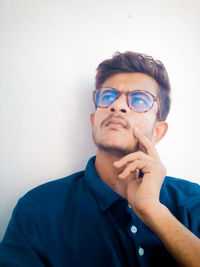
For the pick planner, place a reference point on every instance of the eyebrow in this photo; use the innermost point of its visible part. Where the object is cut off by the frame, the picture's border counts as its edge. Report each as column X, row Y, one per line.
column 137, row 90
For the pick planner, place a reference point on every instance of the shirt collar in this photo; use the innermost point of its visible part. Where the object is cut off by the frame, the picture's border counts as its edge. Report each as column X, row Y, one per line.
column 104, row 194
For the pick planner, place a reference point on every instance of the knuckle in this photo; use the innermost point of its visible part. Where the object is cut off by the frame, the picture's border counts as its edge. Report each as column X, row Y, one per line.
column 129, row 157
column 140, row 154
column 136, row 162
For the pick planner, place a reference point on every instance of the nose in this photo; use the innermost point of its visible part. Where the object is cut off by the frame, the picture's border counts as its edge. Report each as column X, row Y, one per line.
column 120, row 105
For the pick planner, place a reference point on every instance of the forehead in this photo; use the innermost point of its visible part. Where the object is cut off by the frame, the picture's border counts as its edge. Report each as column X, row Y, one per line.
column 132, row 81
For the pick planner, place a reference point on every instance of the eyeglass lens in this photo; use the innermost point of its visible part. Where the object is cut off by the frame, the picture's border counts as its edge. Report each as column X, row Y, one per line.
column 139, row 101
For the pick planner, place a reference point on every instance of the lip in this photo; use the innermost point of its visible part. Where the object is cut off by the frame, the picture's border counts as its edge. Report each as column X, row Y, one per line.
column 115, row 123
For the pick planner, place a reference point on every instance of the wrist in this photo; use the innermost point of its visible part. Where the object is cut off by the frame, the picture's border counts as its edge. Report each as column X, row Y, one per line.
column 154, row 214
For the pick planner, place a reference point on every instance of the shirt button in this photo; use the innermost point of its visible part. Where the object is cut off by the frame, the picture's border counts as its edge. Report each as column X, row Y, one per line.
column 133, row 229
column 141, row 251
column 129, row 206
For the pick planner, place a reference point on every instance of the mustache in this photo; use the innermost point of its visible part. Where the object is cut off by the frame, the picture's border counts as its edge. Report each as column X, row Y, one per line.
column 122, row 118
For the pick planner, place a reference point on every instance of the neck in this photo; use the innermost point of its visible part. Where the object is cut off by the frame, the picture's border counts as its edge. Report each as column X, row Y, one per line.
column 109, row 174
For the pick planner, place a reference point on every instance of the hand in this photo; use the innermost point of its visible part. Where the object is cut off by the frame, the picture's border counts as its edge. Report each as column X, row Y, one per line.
column 142, row 193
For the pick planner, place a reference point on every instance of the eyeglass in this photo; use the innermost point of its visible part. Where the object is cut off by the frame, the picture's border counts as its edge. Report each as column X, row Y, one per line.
column 139, row 100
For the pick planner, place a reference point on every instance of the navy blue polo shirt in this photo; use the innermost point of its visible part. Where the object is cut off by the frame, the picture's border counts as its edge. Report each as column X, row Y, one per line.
column 80, row 221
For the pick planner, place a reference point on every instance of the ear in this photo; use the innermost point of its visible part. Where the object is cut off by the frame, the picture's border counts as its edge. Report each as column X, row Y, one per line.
column 159, row 131
column 92, row 119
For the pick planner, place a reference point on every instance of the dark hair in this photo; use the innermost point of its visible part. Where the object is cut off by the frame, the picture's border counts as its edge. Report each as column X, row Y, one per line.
column 135, row 62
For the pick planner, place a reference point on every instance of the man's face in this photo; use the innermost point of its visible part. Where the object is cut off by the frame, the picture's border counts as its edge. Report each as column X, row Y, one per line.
column 112, row 126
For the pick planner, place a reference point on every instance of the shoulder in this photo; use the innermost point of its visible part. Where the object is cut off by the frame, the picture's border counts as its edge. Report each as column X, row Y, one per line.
column 56, row 196
column 182, row 198
column 180, row 186
column 179, row 194
column 53, row 192
column 179, row 191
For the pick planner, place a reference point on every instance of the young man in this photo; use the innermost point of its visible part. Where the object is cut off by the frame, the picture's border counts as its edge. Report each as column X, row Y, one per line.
column 121, row 210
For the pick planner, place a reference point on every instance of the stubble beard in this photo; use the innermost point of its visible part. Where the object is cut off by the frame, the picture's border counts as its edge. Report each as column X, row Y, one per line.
column 115, row 150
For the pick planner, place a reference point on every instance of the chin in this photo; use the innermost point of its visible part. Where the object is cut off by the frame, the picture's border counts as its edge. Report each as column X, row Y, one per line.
column 115, row 147
column 115, row 142
column 116, row 137
column 115, row 150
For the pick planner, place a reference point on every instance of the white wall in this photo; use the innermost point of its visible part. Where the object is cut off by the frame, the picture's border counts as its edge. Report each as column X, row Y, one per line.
column 49, row 50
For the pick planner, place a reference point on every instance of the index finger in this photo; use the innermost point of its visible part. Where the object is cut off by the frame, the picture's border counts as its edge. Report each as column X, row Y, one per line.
column 144, row 140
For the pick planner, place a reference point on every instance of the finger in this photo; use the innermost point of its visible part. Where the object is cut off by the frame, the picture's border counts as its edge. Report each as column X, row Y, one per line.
column 144, row 140
column 132, row 157
column 137, row 164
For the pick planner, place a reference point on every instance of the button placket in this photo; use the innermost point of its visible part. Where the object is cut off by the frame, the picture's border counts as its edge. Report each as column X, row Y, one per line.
column 134, row 232
column 133, row 229
column 140, row 251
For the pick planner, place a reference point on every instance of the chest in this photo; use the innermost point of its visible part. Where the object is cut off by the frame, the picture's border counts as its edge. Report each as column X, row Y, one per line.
column 115, row 237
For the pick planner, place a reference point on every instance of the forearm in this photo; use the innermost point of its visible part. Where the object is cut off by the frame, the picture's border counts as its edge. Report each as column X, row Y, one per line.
column 182, row 244
column 143, row 196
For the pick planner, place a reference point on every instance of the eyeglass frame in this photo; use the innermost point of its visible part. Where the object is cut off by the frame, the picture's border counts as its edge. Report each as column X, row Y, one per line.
column 119, row 93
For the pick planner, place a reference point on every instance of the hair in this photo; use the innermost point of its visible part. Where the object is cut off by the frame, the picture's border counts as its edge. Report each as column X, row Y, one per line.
column 129, row 62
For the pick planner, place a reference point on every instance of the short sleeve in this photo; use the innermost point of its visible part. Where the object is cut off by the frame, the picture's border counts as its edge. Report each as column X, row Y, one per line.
column 21, row 245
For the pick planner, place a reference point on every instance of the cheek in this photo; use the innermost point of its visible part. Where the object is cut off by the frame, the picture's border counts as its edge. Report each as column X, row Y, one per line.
column 99, row 116
column 145, row 123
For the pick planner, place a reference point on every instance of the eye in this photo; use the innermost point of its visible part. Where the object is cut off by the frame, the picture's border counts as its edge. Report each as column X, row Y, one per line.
column 140, row 101
column 107, row 97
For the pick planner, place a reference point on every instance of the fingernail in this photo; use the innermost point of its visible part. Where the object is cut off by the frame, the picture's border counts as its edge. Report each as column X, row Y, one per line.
column 136, row 128
column 115, row 163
